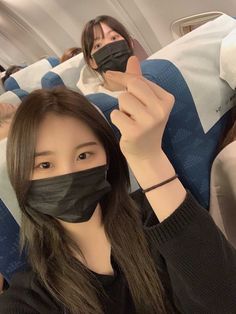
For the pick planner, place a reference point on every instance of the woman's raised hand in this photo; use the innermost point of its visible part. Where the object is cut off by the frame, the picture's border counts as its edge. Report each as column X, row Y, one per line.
column 143, row 112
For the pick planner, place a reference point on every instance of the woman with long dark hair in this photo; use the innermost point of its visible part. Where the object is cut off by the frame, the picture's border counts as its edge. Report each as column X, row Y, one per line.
column 91, row 249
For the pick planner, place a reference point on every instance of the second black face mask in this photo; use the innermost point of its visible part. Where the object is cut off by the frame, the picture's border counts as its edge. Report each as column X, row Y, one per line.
column 71, row 197
column 113, row 56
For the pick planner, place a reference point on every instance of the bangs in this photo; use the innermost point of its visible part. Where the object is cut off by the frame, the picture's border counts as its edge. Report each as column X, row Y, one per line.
column 97, row 32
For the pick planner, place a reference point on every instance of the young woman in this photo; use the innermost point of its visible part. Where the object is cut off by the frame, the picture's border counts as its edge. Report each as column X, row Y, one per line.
column 223, row 184
column 106, row 45
column 91, row 249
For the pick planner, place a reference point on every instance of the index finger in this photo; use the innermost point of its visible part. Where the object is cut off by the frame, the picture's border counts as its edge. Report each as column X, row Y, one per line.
column 133, row 66
column 119, row 77
column 133, row 69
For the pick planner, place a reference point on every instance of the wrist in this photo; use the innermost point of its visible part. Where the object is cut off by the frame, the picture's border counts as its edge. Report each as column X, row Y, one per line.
column 153, row 170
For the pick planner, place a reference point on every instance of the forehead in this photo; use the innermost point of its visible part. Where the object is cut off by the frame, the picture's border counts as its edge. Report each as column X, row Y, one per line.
column 101, row 30
column 58, row 130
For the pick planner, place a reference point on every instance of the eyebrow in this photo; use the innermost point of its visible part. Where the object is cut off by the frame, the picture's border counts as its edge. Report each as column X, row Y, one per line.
column 48, row 152
column 99, row 37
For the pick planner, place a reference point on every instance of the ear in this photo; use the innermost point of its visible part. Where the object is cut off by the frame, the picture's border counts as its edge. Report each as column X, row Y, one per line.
column 93, row 63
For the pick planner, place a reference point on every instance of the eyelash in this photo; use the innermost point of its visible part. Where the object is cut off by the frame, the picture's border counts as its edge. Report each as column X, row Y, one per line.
column 98, row 45
column 85, row 153
column 41, row 163
column 114, row 37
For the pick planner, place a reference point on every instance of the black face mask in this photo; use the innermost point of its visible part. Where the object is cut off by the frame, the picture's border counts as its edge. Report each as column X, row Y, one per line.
column 113, row 56
column 71, row 197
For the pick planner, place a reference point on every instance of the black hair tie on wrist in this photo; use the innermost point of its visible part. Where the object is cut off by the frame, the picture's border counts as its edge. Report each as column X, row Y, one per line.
column 160, row 184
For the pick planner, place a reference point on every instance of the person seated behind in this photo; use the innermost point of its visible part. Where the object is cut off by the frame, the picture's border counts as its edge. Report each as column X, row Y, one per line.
column 69, row 53
column 11, row 70
column 106, row 45
column 7, row 194
column 223, row 184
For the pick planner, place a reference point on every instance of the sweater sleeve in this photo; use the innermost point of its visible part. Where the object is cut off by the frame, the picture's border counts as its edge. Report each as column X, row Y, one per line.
column 200, row 261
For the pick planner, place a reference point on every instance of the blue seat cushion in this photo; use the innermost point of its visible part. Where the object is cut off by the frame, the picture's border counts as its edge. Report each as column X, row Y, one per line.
column 11, row 260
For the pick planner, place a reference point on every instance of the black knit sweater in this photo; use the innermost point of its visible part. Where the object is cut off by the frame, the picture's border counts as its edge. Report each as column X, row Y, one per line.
column 196, row 264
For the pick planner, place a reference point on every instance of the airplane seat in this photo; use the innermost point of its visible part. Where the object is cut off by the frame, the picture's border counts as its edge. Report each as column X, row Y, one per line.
column 65, row 74
column 13, row 97
column 189, row 69
column 11, row 260
column 29, row 78
column 2, row 89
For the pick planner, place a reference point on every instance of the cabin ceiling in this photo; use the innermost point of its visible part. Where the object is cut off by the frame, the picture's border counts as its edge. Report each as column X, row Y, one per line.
column 31, row 29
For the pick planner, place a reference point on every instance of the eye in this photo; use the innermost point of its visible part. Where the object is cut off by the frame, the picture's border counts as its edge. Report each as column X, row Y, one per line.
column 44, row 165
column 84, row 156
column 97, row 46
column 115, row 37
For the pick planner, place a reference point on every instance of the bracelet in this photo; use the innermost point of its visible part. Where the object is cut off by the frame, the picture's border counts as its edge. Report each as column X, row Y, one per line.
column 160, row 184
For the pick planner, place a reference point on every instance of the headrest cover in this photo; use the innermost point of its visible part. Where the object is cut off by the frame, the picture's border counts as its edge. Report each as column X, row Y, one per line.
column 13, row 97
column 29, row 78
column 66, row 73
column 197, row 56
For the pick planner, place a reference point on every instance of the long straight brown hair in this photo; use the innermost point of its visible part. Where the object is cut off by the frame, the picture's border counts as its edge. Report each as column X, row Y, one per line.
column 87, row 37
column 50, row 248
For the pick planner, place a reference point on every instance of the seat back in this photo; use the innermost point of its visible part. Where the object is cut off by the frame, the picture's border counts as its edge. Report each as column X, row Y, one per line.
column 29, row 78
column 66, row 73
column 10, row 258
column 13, row 97
column 139, row 51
